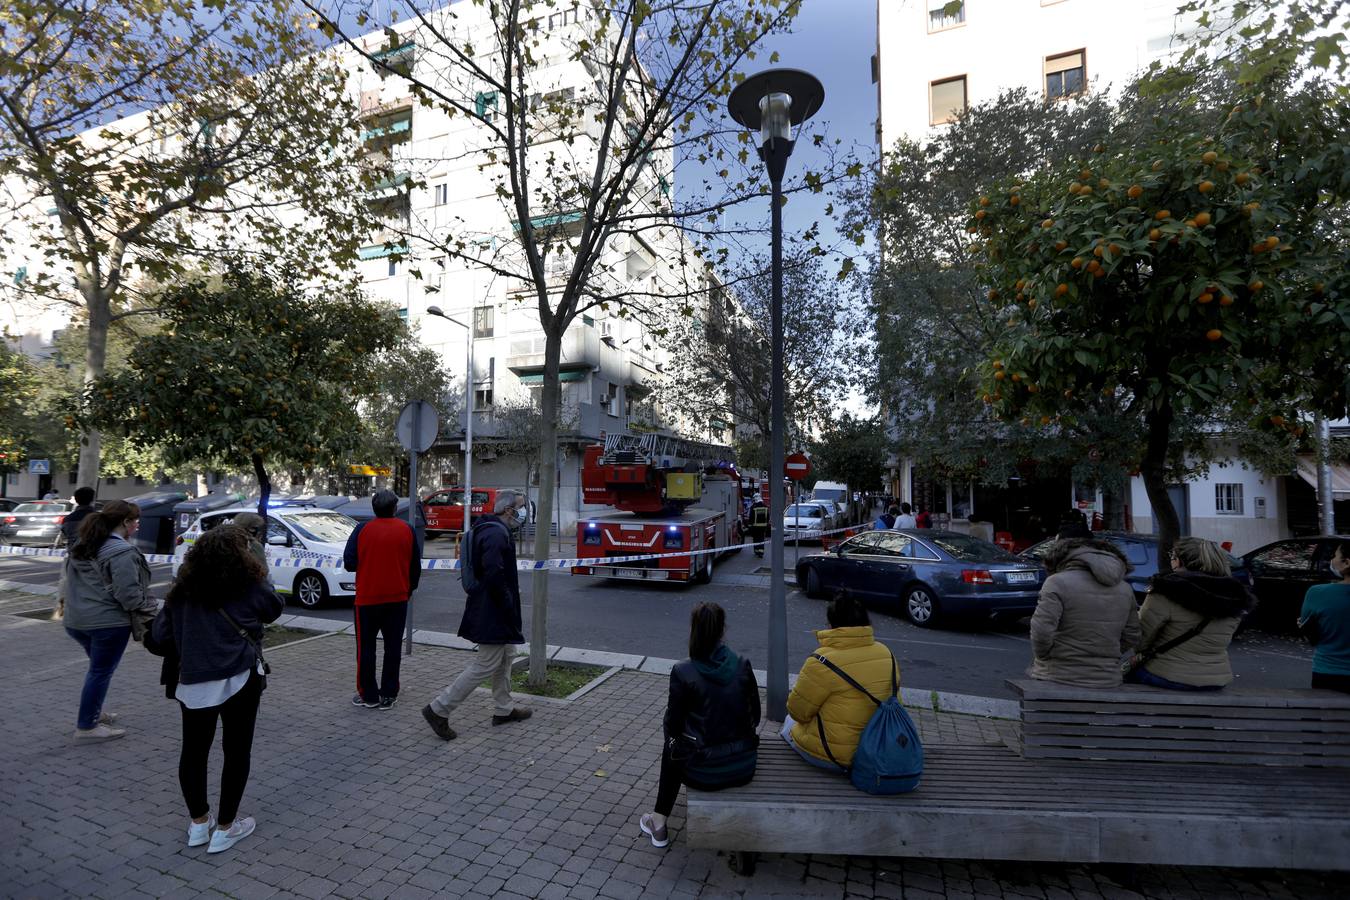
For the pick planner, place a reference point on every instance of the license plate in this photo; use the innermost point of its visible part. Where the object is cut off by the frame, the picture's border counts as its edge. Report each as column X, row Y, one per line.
column 629, row 573
column 1021, row 578
column 30, row 532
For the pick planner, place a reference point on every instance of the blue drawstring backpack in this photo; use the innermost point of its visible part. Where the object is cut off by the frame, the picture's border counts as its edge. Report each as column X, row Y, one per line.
column 889, row 759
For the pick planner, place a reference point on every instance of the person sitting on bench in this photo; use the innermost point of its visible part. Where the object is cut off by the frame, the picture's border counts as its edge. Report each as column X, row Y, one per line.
column 711, row 721
column 824, row 709
column 1189, row 618
column 1085, row 617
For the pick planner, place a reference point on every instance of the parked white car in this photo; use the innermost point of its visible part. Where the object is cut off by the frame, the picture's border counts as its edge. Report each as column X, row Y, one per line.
column 293, row 533
column 806, row 521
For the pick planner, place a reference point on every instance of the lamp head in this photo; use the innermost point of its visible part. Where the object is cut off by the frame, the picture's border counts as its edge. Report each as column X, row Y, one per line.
column 775, row 100
column 435, row 311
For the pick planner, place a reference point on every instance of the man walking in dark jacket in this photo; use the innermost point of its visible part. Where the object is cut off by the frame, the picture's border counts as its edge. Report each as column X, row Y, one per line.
column 384, row 554
column 491, row 617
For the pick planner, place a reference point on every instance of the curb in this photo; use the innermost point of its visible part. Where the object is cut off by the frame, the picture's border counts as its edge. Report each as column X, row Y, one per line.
column 916, row 698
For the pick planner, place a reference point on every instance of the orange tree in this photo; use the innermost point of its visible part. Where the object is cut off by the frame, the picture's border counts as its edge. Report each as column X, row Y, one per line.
column 249, row 372
column 1194, row 262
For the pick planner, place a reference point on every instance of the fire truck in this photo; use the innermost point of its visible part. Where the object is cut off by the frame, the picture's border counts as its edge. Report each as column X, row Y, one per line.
column 671, row 495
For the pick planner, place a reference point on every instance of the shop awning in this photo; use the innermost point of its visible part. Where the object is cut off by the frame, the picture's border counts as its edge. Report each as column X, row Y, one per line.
column 538, row 377
column 1340, row 477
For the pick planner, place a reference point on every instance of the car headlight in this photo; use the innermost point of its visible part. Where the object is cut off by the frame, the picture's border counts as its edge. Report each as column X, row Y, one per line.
column 347, row 585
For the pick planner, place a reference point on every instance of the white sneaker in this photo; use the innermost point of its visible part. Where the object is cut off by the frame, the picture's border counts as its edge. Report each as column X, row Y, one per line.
column 107, row 718
column 99, row 733
column 223, row 839
column 199, row 834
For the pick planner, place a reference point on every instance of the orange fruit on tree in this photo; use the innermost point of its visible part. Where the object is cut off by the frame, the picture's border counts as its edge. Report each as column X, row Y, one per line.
column 1076, row 263
column 1210, row 158
column 1135, row 192
column 1085, row 190
column 1277, row 421
column 1085, row 174
column 1094, row 266
column 1014, row 200
column 1061, row 245
column 1048, row 223
column 1154, row 234
column 1075, row 187
column 1222, row 165
column 1225, row 300
column 1213, row 334
column 993, row 294
column 1189, row 223
column 1242, row 178
column 984, row 201
column 1203, row 219
column 1032, row 389
column 1045, row 420
column 1021, row 282
column 1000, row 375
column 1256, row 285
column 1061, row 289
column 998, row 364
column 1113, row 249
column 1272, row 242
column 1157, row 165
column 1206, row 297
column 980, row 214
column 1097, row 251
column 1031, row 304
column 1104, row 183
column 1259, row 247
column 1017, row 376
column 1099, row 273
column 1205, row 187
column 1162, row 214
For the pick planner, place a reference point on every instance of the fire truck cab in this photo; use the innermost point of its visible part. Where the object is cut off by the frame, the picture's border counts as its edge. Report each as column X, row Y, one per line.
column 680, row 509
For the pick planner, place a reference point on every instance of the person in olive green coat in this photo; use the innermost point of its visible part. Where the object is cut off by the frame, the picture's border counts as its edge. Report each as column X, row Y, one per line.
column 1086, row 617
column 823, row 703
column 1200, row 588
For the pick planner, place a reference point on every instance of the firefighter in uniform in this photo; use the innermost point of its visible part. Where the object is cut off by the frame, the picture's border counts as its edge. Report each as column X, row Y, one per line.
column 759, row 523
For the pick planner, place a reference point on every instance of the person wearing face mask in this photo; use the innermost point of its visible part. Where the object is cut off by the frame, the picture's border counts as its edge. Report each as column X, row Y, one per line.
column 106, row 583
column 387, row 560
column 1325, row 621
column 491, row 616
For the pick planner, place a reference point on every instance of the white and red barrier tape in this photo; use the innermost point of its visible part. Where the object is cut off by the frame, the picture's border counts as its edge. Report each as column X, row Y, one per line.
column 305, row 559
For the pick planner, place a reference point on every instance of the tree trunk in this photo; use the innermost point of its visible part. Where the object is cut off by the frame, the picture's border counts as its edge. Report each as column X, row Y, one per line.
column 1113, row 506
column 1158, row 421
column 548, row 476
column 95, row 362
column 264, row 483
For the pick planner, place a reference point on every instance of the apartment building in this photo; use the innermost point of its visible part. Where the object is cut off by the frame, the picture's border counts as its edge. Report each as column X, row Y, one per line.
column 446, row 183
column 937, row 57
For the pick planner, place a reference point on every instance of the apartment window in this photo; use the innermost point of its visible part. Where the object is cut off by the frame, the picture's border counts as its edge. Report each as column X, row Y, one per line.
column 946, row 100
column 442, row 192
column 482, row 387
column 482, row 322
column 1228, row 499
column 1065, row 75
column 73, row 477
column 393, row 266
column 944, row 14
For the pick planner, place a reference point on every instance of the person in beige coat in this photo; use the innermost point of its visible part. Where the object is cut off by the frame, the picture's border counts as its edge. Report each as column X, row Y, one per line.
column 1086, row 617
column 1199, row 589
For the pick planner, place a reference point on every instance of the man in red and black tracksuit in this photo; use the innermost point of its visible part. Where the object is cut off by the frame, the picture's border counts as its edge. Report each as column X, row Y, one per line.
column 387, row 560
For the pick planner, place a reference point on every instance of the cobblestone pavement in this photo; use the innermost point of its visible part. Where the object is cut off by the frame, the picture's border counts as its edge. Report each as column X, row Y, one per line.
column 361, row 803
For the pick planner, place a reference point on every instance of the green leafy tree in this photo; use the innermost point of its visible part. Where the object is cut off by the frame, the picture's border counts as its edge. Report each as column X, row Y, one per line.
column 161, row 134
column 852, row 450
column 248, row 372
column 1195, row 260
column 18, row 389
column 584, row 173
column 407, row 371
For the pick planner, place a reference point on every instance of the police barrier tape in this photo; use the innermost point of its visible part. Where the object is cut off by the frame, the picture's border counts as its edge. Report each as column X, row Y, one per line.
column 305, row 559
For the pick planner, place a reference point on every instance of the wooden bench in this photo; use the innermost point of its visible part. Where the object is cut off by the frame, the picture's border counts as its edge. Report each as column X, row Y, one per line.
column 1235, row 726
column 989, row 801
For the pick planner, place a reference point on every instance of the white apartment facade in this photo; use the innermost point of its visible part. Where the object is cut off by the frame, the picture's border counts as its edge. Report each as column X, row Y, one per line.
column 611, row 364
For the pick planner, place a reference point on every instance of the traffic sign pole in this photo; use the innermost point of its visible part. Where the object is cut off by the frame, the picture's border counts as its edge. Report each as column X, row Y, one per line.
column 416, row 430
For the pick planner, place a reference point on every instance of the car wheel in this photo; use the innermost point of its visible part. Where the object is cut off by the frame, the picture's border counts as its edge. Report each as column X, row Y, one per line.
column 812, row 585
column 921, row 607
column 310, row 590
column 704, row 574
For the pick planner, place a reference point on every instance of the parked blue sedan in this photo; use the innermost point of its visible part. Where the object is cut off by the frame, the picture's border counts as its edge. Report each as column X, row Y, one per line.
column 929, row 575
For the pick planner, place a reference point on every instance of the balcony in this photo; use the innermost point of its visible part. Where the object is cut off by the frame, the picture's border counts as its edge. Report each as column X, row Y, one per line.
column 580, row 351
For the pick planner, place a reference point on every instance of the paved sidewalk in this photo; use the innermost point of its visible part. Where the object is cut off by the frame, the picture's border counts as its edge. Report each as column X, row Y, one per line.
column 360, row 803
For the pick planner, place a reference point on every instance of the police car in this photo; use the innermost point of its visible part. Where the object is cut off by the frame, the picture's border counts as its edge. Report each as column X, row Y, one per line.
column 294, row 532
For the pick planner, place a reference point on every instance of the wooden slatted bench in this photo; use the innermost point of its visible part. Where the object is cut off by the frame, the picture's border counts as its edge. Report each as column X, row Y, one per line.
column 988, row 801
column 1234, row 726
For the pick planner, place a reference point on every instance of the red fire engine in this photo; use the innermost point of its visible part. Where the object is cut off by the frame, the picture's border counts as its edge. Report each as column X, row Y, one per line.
column 673, row 495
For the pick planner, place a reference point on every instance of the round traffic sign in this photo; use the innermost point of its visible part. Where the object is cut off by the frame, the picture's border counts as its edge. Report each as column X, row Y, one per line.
column 797, row 466
column 417, row 426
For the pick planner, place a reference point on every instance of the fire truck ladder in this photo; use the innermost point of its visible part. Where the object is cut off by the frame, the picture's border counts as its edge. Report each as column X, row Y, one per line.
column 653, row 449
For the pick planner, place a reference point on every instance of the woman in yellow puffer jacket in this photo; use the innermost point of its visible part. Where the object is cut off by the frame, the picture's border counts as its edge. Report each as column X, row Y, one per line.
column 822, row 701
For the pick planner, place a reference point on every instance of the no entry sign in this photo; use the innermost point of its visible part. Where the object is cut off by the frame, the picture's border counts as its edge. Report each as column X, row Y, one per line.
column 797, row 466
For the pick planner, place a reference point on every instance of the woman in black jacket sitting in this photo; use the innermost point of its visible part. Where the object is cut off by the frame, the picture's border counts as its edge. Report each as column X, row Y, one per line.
column 711, row 720
column 213, row 618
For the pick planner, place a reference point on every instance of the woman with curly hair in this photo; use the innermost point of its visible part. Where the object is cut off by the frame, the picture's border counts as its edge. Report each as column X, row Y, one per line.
column 213, row 618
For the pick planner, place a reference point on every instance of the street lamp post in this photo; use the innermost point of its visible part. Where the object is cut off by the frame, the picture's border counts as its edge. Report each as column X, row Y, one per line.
column 772, row 102
column 468, row 414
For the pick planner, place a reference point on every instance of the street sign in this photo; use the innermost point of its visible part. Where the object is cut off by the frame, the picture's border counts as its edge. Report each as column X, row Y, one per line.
column 797, row 466
column 417, row 426
column 39, row 467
